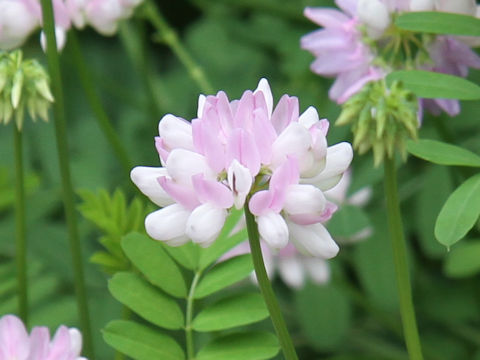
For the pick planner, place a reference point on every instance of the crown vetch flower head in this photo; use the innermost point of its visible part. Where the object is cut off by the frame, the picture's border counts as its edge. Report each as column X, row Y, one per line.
column 16, row 343
column 242, row 151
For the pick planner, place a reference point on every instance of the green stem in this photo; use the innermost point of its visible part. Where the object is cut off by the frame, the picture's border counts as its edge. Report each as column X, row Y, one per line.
column 67, row 188
column 189, row 317
column 266, row 288
column 101, row 116
column 407, row 311
column 21, row 241
column 170, row 37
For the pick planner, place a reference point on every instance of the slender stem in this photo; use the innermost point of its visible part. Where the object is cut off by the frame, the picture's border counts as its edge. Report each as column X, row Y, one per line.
column 266, row 288
column 189, row 317
column 67, row 188
column 21, row 240
column 170, row 37
column 407, row 311
column 101, row 116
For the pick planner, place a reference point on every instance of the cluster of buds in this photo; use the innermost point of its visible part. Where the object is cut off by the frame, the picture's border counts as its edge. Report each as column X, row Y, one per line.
column 17, row 344
column 24, row 85
column 382, row 119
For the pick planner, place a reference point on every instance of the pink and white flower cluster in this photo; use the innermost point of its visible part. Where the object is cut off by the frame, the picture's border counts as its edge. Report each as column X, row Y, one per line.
column 17, row 344
column 20, row 18
column 348, row 45
column 245, row 150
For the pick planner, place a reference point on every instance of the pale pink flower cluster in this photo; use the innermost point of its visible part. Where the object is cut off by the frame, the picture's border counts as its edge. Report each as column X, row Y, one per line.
column 343, row 50
column 241, row 149
column 20, row 18
column 17, row 344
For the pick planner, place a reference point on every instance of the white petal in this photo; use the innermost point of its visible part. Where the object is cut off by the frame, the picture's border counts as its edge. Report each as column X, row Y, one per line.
column 304, row 199
column 60, row 37
column 264, row 87
column 273, row 229
column 361, row 197
column 467, row 7
column 146, row 180
column 338, row 159
column 313, row 240
column 338, row 193
column 183, row 164
column 240, row 181
column 205, row 223
column 318, row 269
column 75, row 341
column 292, row 271
column 201, row 103
column 294, row 140
column 168, row 224
column 422, row 5
column 375, row 15
column 309, row 117
column 175, row 132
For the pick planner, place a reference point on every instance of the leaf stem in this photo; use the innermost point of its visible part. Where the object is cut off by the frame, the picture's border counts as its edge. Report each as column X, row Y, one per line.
column 189, row 317
column 170, row 37
column 101, row 116
column 20, row 228
column 67, row 187
column 407, row 311
column 266, row 287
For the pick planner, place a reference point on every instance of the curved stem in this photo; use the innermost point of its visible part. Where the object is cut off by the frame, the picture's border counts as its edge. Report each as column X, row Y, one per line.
column 20, row 229
column 101, row 116
column 266, row 288
column 189, row 317
column 407, row 311
column 67, row 187
column 170, row 37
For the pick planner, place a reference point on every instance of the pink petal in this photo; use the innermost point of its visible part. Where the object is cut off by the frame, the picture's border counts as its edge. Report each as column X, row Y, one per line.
column 182, row 194
column 285, row 112
column 260, row 202
column 14, row 342
column 241, row 146
column 244, row 115
column 264, row 135
column 39, row 343
column 209, row 191
column 326, row 17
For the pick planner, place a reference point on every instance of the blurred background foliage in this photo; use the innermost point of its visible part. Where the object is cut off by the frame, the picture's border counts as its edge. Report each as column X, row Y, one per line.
column 236, row 42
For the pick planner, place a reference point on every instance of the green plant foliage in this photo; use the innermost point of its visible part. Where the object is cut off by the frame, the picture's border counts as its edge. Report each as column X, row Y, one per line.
column 463, row 260
column 231, row 312
column 439, row 23
column 141, row 342
column 151, row 259
column 442, row 153
column 348, row 221
column 430, row 85
column 459, row 213
column 240, row 346
column 146, row 301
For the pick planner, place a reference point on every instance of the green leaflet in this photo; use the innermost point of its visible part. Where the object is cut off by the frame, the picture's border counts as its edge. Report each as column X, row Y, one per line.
column 151, row 259
column 442, row 153
column 240, row 346
column 459, row 213
column 463, row 260
column 224, row 274
column 236, row 310
column 141, row 342
column 439, row 23
column 348, row 221
column 429, row 85
column 146, row 301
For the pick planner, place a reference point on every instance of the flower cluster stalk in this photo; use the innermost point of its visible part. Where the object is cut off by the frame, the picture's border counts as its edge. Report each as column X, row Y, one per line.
column 407, row 311
column 266, row 288
column 189, row 317
column 20, row 229
column 170, row 37
column 67, row 187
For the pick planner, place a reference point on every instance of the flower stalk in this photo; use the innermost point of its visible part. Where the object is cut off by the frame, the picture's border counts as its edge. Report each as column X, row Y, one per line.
column 266, row 288
column 189, row 317
column 20, row 229
column 67, row 187
column 395, row 225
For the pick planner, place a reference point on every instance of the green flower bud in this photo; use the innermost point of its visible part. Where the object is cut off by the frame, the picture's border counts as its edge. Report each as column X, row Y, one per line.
column 382, row 119
column 23, row 89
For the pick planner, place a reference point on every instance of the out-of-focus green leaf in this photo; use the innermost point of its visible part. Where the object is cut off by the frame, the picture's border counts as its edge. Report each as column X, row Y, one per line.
column 240, row 346
column 150, row 258
column 239, row 309
column 442, row 153
column 146, row 301
column 460, row 212
column 224, row 274
column 348, row 221
column 430, row 85
column 324, row 314
column 439, row 23
column 463, row 260
column 141, row 342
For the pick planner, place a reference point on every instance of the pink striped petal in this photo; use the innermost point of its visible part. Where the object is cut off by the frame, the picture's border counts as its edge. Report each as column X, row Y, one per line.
column 182, row 194
column 209, row 191
column 241, row 146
